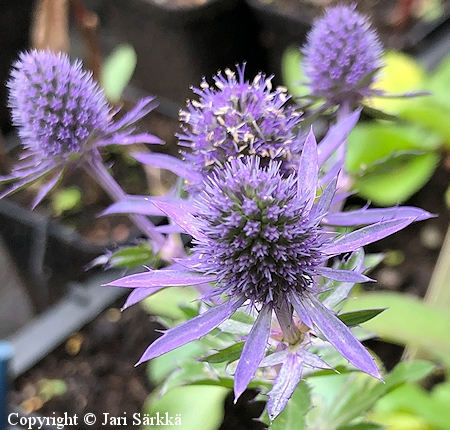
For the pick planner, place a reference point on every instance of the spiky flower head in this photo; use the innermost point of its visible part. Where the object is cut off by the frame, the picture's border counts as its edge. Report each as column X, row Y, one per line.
column 62, row 117
column 56, row 105
column 255, row 235
column 264, row 239
column 342, row 55
column 235, row 118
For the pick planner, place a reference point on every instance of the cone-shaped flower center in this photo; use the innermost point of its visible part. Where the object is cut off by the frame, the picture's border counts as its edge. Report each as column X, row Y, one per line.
column 257, row 237
column 56, row 105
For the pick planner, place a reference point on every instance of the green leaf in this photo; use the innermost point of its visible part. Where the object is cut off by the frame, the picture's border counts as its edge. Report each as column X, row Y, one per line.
column 384, row 161
column 351, row 319
column 67, row 199
column 363, row 426
column 439, row 83
column 117, row 71
column 196, row 406
column 418, row 404
column 343, row 398
column 133, row 256
column 167, row 302
column 401, row 74
column 160, row 367
column 293, row 416
column 370, row 143
column 430, row 115
column 226, row 355
column 292, row 72
column 408, row 371
column 408, row 320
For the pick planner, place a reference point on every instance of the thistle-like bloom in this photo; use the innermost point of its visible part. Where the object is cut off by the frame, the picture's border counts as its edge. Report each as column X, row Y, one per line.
column 237, row 118
column 62, row 117
column 341, row 56
column 261, row 237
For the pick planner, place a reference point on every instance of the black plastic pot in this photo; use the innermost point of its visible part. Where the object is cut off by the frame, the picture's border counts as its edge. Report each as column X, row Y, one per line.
column 177, row 46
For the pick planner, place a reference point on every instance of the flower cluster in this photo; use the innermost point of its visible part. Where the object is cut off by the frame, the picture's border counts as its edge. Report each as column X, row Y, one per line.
column 264, row 206
column 237, row 118
column 342, row 56
column 262, row 239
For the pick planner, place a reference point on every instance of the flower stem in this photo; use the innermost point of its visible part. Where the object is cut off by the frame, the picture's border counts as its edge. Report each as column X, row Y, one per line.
column 94, row 166
column 291, row 333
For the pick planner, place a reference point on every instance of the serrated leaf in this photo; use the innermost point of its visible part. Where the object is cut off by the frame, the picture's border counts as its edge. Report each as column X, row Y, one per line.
column 351, row 319
column 117, row 71
column 226, row 355
column 354, row 394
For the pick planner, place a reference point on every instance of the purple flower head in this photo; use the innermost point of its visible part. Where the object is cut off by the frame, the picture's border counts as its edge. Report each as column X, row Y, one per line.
column 62, row 116
column 236, row 118
column 255, row 239
column 341, row 56
column 262, row 238
column 56, row 105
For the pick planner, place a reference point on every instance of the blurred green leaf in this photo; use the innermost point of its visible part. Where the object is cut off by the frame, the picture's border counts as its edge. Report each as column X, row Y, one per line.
column 351, row 319
column 439, row 83
column 117, row 71
column 363, row 426
column 49, row 388
column 166, row 302
column 342, row 398
column 401, row 74
column 412, row 407
column 292, row 72
column 66, row 199
column 196, row 406
column 408, row 320
column 389, row 188
column 382, row 157
column 133, row 256
column 160, row 367
column 430, row 115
